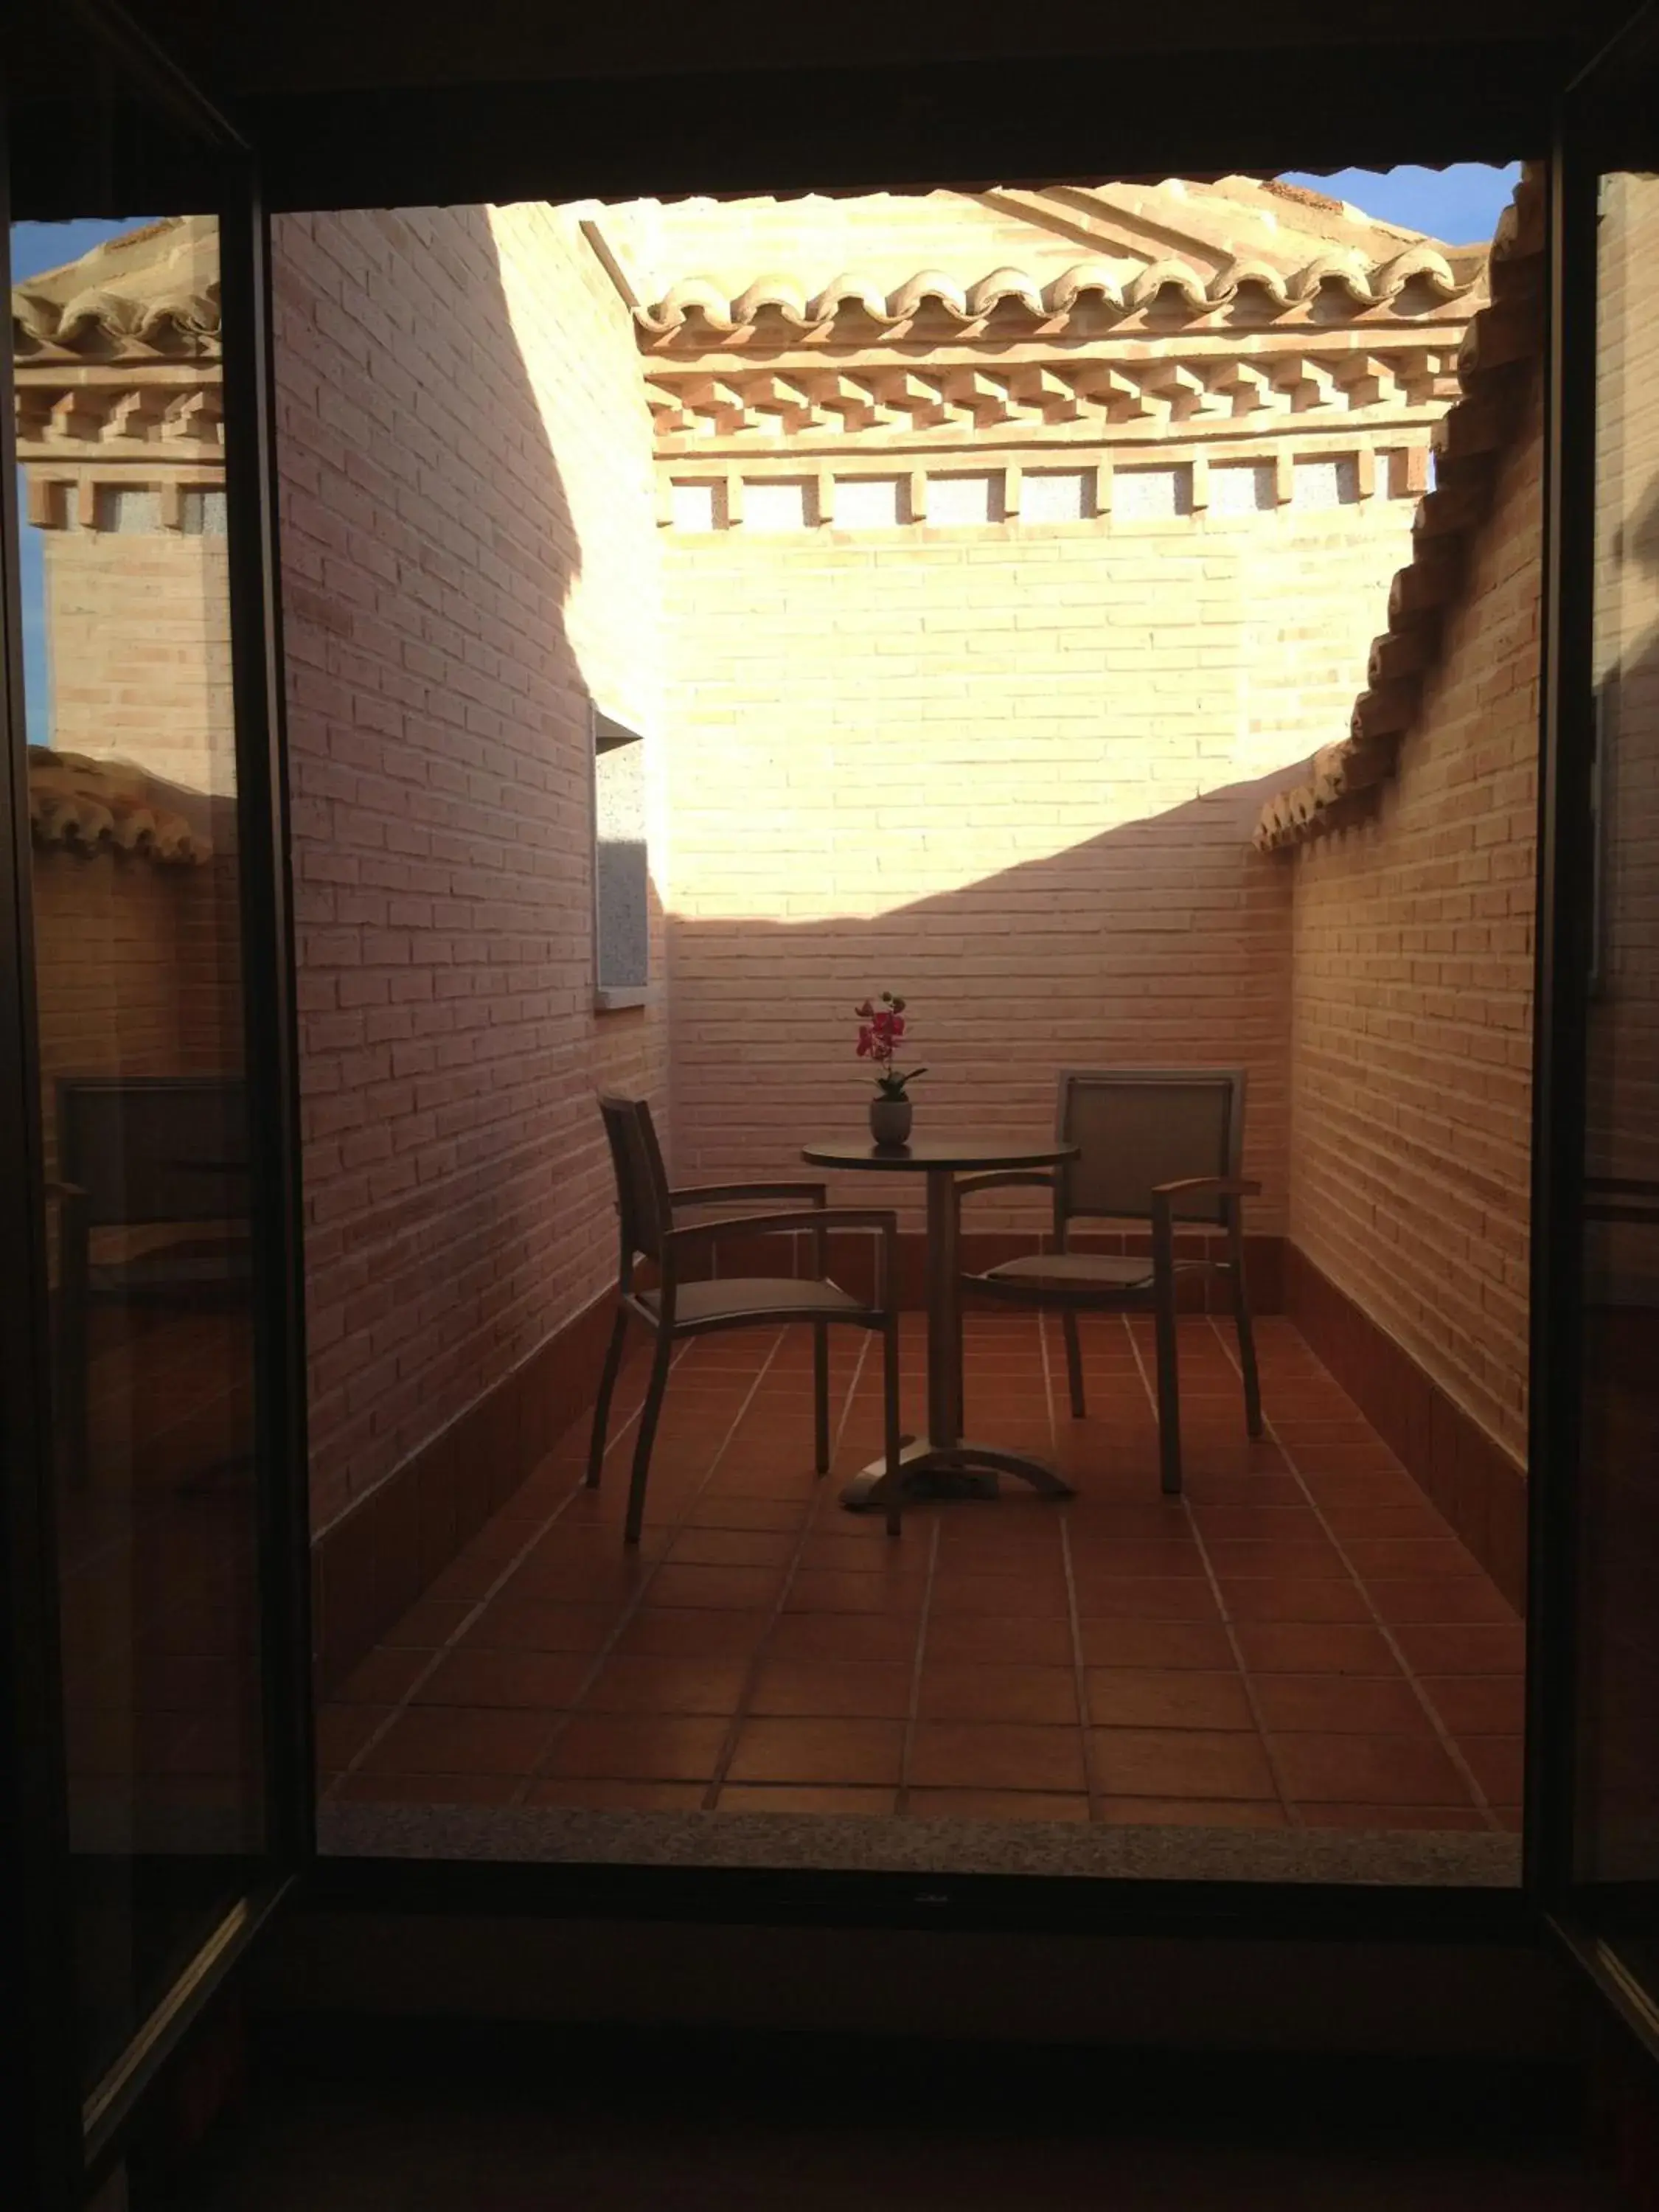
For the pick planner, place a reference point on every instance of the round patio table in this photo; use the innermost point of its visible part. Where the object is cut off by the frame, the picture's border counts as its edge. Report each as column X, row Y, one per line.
column 944, row 1462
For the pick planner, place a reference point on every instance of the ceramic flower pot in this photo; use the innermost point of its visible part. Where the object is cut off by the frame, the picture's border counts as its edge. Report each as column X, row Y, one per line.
column 890, row 1121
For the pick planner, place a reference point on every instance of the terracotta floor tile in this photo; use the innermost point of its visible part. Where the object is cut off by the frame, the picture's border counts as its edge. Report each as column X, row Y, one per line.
column 1283, row 1559
column 1165, row 1697
column 1254, row 1490
column 429, row 1624
column 824, row 1591
column 1136, row 1555
column 997, row 1640
column 1256, row 1523
column 802, row 1797
column 343, row 1730
column 383, row 1677
column 949, row 1755
column 1154, row 1643
column 956, row 1594
column 1384, row 1818
column 539, row 1625
column 1314, row 1647
column 732, row 1547
column 692, row 1632
column 542, row 1680
column 1497, row 1763
column 1410, row 1558
column 840, row 1751
column 1038, row 1696
column 1104, row 1524
column 1340, row 1704
column 567, row 1580
column 996, row 1805
column 1190, row 1812
column 1390, row 1487
column 1367, row 1770
column 1302, row 1598
column 1497, row 1648
column 831, row 1552
column 1440, row 1601
column 637, row 1747
column 1145, row 1597
column 847, row 1689
column 365, row 1788
column 461, row 1740
column 595, row 1794
column 716, row 1589
column 1180, row 1762
column 867, row 1636
column 1478, row 1704
column 741, row 1512
column 1368, row 1521
column 631, row 1683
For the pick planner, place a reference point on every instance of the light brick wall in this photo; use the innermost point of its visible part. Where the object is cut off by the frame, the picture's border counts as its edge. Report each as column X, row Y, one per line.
column 1624, row 1031
column 1411, row 1032
column 1011, row 772
column 137, row 632
column 469, row 562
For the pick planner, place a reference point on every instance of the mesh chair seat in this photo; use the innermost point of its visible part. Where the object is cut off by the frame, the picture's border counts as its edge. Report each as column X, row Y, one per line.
column 734, row 1296
column 1077, row 1274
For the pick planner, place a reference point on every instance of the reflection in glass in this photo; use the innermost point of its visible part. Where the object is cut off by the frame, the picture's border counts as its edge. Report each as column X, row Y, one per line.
column 1619, row 1733
column 132, row 787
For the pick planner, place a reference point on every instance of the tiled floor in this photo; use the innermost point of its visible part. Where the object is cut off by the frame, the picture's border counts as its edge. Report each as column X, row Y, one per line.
column 1300, row 1640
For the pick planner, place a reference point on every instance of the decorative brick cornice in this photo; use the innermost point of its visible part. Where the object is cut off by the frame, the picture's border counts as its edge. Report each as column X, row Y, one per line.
column 1182, row 385
column 1497, row 363
column 169, row 416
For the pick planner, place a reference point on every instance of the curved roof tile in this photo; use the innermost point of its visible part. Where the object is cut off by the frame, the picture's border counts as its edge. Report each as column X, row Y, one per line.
column 88, row 806
column 1167, row 281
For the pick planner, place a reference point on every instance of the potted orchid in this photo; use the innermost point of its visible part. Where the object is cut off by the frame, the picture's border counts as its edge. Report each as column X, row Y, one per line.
column 880, row 1029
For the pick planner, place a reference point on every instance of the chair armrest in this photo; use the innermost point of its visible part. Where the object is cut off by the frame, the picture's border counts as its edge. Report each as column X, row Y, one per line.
column 722, row 1194
column 1004, row 1178
column 1164, row 1219
column 68, row 1190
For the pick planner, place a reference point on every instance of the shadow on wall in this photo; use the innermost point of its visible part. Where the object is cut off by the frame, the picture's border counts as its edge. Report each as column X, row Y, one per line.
column 1161, row 941
column 456, row 1195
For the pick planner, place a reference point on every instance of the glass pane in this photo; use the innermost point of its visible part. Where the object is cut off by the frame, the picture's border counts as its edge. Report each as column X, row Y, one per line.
column 132, row 787
column 1620, row 1732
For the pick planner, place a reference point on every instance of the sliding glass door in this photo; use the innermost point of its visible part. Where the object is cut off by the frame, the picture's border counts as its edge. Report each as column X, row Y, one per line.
column 156, row 1414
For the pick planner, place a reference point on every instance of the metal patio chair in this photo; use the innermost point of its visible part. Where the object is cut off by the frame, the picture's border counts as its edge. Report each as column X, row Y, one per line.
column 1161, row 1146
column 650, row 1231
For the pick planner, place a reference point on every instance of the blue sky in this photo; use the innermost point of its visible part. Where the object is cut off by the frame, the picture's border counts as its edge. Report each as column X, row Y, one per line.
column 1460, row 204
column 36, row 247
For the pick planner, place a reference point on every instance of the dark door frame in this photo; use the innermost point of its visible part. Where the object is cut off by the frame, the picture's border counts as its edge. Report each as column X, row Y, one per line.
column 62, row 2143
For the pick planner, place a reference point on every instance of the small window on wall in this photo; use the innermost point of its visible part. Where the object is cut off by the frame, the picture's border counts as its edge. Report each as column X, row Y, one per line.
column 621, row 912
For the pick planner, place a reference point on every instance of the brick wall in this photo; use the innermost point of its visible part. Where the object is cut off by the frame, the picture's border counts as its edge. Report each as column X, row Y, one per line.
column 1010, row 771
column 1623, row 1056
column 1411, row 1039
column 468, row 562
column 138, row 639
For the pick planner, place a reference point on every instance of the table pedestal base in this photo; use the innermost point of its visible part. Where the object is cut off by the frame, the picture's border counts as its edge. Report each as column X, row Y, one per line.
column 958, row 1470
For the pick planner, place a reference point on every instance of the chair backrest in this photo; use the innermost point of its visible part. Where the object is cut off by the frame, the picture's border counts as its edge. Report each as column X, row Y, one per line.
column 150, row 1149
column 643, row 1200
column 1139, row 1127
